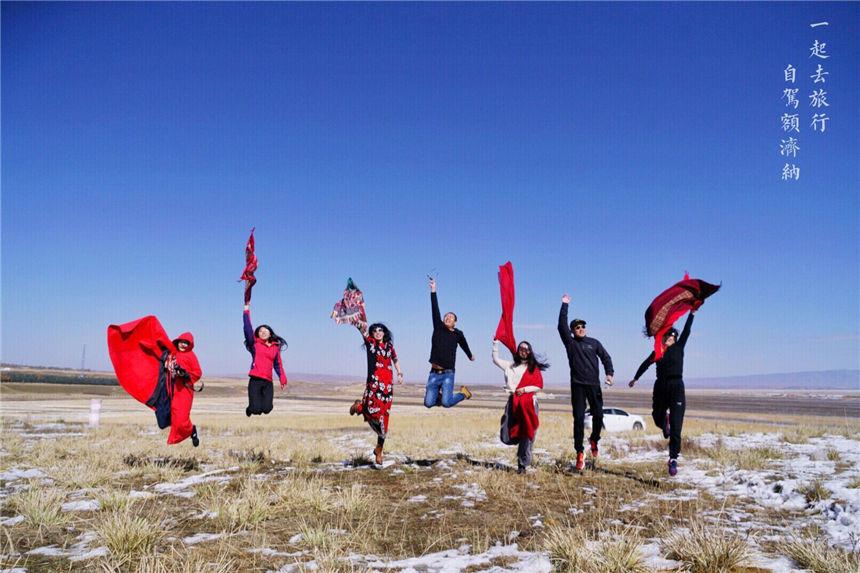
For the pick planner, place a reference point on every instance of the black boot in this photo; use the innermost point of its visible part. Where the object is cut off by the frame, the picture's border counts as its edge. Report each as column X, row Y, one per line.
column 194, row 439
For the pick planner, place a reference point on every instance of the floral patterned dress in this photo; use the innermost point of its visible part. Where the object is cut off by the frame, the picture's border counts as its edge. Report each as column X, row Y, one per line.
column 376, row 402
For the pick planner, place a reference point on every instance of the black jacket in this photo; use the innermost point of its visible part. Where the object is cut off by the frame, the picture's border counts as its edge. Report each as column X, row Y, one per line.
column 671, row 365
column 444, row 342
column 582, row 354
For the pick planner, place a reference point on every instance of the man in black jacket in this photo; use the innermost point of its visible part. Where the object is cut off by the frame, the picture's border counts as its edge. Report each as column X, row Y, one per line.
column 443, row 355
column 582, row 355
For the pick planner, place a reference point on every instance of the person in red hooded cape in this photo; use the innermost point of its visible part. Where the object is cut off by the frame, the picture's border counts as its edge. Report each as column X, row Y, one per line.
column 669, row 400
column 147, row 362
column 523, row 376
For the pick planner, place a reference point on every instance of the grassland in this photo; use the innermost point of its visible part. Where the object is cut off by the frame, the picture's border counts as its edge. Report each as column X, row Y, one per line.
column 295, row 491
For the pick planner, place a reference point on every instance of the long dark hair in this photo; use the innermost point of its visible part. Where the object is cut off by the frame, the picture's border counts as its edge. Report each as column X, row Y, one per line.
column 273, row 338
column 532, row 361
column 386, row 334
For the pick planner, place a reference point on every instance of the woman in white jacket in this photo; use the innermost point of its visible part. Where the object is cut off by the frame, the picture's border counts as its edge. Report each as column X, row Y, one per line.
column 522, row 379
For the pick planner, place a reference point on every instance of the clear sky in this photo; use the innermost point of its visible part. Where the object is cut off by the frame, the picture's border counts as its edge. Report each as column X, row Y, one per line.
column 602, row 148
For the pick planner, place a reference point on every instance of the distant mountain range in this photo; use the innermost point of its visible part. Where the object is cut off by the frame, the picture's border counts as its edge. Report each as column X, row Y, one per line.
column 818, row 380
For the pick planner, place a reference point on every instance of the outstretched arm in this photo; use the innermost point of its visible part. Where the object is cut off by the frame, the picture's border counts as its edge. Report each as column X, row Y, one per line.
column 642, row 368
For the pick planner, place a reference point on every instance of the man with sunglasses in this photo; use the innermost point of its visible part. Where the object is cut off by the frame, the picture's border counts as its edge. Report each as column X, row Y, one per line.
column 582, row 355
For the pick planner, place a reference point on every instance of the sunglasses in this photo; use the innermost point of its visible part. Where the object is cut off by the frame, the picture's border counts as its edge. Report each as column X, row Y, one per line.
column 579, row 326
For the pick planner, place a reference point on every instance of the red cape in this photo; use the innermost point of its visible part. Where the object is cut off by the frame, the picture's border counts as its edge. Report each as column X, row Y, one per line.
column 505, row 330
column 525, row 418
column 135, row 350
column 672, row 304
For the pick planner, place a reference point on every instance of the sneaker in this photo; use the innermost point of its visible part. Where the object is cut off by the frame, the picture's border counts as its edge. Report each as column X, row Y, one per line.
column 673, row 467
column 593, row 447
column 355, row 408
column 377, row 451
column 465, row 392
column 666, row 427
column 580, row 460
column 194, row 439
column 248, row 411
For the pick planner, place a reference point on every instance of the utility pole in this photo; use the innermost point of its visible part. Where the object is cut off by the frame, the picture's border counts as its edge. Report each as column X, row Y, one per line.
column 84, row 357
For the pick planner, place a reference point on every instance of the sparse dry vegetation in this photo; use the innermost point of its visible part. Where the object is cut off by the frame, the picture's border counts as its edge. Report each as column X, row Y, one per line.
column 263, row 494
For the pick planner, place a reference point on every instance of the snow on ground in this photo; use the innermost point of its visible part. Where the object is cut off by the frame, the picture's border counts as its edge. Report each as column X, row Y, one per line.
column 781, row 480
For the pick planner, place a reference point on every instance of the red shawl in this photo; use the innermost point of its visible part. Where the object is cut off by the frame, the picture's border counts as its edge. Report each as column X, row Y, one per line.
column 672, row 304
column 250, row 267
column 524, row 416
column 505, row 330
column 135, row 350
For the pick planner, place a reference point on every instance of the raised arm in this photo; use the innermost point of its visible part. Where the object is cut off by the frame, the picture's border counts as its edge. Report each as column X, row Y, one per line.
column 685, row 334
column 503, row 364
column 249, row 330
column 563, row 326
column 434, row 306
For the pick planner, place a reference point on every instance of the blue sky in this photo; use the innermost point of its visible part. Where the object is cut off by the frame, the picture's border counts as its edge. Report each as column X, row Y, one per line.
column 602, row 148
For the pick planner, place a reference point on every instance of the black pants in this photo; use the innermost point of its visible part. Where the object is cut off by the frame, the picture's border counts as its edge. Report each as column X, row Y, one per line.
column 669, row 395
column 579, row 394
column 260, row 394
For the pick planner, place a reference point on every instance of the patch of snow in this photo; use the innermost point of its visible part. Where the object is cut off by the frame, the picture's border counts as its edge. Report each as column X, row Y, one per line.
column 417, row 498
column 16, row 474
column 12, row 521
column 84, row 505
column 201, row 537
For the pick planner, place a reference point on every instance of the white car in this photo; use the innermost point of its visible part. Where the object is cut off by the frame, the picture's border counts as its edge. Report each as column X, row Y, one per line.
column 617, row 420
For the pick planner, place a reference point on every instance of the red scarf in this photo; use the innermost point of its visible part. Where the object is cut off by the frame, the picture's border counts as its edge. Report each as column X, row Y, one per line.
column 505, row 331
column 250, row 267
column 135, row 350
column 672, row 304
column 525, row 418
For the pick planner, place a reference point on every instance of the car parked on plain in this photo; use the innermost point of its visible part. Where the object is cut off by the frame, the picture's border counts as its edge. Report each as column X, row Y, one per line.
column 617, row 420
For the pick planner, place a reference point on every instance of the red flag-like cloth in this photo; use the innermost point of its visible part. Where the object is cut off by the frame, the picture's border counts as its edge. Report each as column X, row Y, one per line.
column 524, row 416
column 250, row 267
column 505, row 330
column 350, row 309
column 135, row 350
column 672, row 304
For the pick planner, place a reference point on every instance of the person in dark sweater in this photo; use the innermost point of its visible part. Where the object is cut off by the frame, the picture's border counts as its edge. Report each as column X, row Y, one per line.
column 669, row 389
column 582, row 355
column 443, row 354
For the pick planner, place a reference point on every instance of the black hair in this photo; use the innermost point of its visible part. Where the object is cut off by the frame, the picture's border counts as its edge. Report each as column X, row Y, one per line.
column 533, row 361
column 386, row 334
column 670, row 332
column 449, row 312
column 273, row 338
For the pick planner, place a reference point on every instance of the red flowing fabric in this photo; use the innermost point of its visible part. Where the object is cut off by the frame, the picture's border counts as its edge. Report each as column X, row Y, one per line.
column 135, row 350
column 505, row 330
column 525, row 418
column 672, row 304
column 250, row 267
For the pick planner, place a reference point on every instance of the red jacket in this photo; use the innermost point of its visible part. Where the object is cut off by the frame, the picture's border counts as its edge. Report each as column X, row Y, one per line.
column 264, row 358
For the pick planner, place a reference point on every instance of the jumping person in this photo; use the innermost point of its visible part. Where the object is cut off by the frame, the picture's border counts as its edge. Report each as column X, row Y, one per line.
column 375, row 404
column 522, row 379
column 582, row 355
column 669, row 389
column 443, row 354
column 265, row 347
column 184, row 371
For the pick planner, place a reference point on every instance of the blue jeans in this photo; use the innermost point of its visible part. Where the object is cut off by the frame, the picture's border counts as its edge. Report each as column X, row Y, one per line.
column 445, row 382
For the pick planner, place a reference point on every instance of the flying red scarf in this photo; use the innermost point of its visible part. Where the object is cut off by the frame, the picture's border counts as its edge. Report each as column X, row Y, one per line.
column 250, row 267
column 350, row 309
column 135, row 350
column 672, row 304
column 505, row 330
column 524, row 417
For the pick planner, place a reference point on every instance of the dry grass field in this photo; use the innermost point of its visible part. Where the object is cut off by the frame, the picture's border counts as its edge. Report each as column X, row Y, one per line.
column 295, row 490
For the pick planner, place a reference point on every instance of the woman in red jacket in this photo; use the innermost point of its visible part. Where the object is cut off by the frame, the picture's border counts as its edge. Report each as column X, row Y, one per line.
column 265, row 347
column 184, row 372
